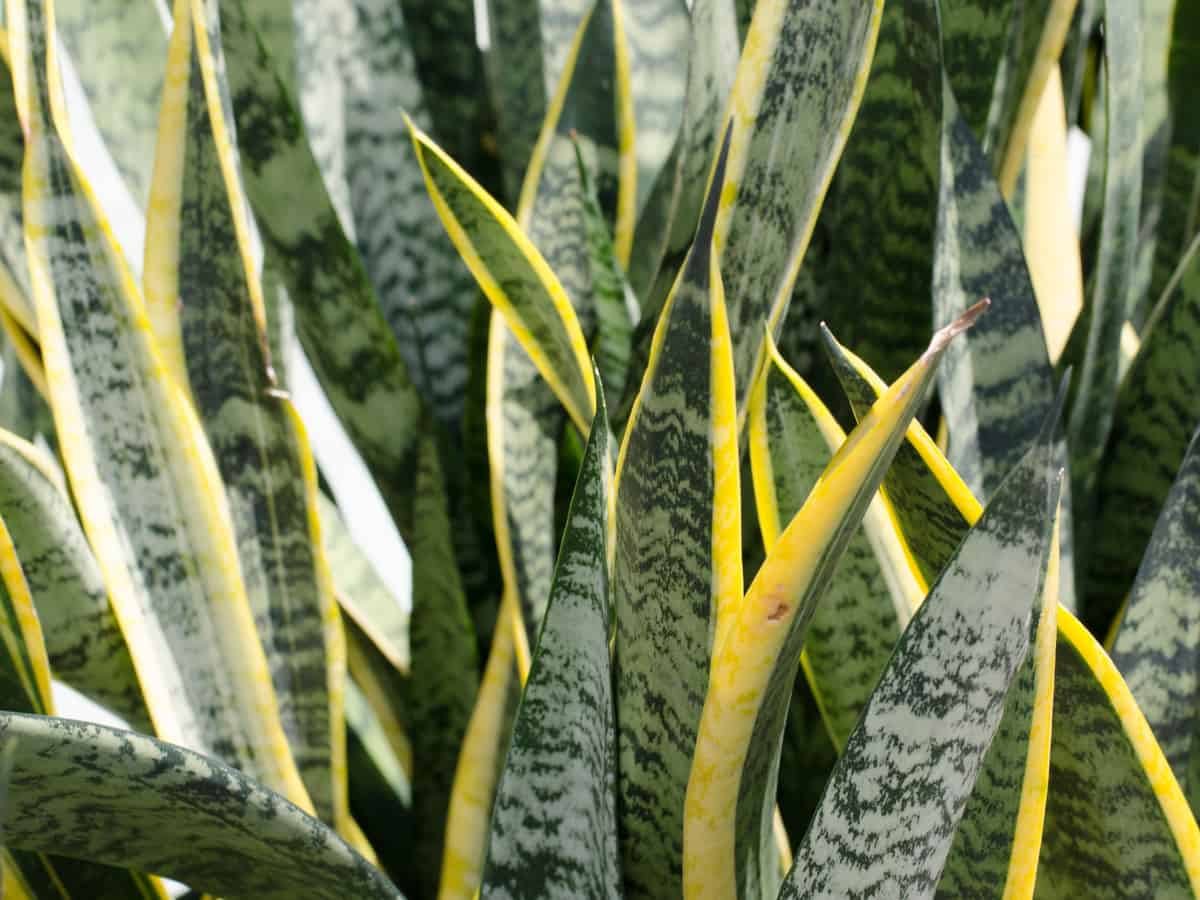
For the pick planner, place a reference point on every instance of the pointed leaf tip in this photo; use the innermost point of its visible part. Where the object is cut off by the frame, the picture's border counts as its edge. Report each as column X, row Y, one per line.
column 712, row 202
column 945, row 335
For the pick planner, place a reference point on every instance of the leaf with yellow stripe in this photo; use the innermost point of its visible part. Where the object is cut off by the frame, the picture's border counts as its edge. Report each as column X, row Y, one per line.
column 338, row 318
column 140, row 467
column 15, row 292
column 939, row 705
column 200, row 275
column 677, row 566
column 126, row 799
column 872, row 593
column 756, row 652
column 799, row 85
column 83, row 640
column 1094, row 703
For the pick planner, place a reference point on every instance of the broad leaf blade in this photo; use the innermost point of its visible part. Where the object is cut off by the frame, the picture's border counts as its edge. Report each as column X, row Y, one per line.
column 260, row 452
column 83, row 640
column 561, row 765
column 127, row 799
column 141, row 470
column 973, row 630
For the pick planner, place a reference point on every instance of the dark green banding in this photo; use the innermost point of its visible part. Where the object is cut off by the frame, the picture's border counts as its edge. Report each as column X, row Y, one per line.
column 908, row 770
column 129, row 800
column 561, row 765
column 1157, row 647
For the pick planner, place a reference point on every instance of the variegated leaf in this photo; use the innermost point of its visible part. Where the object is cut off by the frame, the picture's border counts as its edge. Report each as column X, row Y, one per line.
column 338, row 319
column 15, row 291
column 872, row 592
column 140, row 467
column 938, row 706
column 1156, row 644
column 83, row 640
column 1117, row 825
column 126, row 799
column 678, row 566
column 197, row 221
column 796, row 96
column 757, row 647
column 359, row 80
column 561, row 765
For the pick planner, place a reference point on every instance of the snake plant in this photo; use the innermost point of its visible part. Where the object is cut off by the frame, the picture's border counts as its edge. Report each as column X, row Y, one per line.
column 801, row 488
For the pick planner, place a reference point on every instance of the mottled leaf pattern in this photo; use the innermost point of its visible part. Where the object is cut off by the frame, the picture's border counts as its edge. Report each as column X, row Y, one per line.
column 1117, row 825
column 561, row 766
column 797, row 93
column 1156, row 646
column 973, row 629
column 108, row 795
column 671, row 569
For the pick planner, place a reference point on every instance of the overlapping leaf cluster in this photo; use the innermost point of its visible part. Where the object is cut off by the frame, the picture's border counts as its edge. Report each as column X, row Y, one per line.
column 697, row 604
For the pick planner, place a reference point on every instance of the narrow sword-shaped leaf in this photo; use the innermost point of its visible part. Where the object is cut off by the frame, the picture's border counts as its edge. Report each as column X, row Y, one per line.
column 358, row 80
column 127, row 799
column 561, row 764
column 260, row 452
column 879, row 216
column 15, row 291
column 797, row 93
column 976, row 42
column 677, row 569
column 1092, row 410
column 938, row 706
column 515, row 277
column 1117, row 824
column 140, row 467
column 340, row 324
column 83, row 640
column 1156, row 644
column 1156, row 410
column 872, row 593
column 756, row 655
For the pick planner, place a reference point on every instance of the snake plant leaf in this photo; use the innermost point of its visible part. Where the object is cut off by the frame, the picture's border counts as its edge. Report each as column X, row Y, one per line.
column 139, row 464
column 561, row 765
column 880, row 211
column 23, row 408
column 359, row 80
column 756, row 651
column 615, row 305
column 1117, row 824
column 15, row 290
column 444, row 41
column 439, row 693
column 872, row 593
column 677, row 566
column 84, row 643
column 515, row 277
column 653, row 40
column 929, row 518
column 977, row 38
column 939, row 704
column 806, row 758
column 196, row 221
column 376, row 683
column 480, row 760
column 1157, row 407
column 668, row 220
column 1095, row 386
column 127, row 799
column 1179, row 217
column 1155, row 646
column 338, row 319
column 117, row 49
column 994, row 402
column 362, row 593
column 795, row 98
